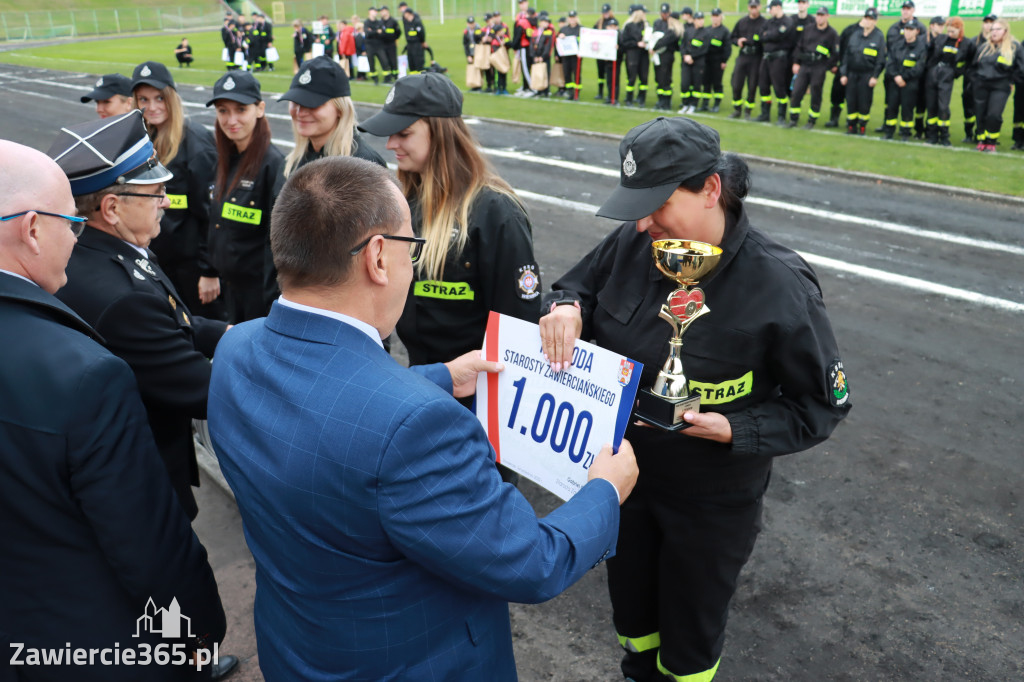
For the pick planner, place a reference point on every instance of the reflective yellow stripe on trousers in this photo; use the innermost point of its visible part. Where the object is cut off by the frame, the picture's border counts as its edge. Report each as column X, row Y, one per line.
column 639, row 644
column 704, row 676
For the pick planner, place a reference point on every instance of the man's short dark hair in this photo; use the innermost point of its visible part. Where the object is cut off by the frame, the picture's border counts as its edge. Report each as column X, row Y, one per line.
column 324, row 210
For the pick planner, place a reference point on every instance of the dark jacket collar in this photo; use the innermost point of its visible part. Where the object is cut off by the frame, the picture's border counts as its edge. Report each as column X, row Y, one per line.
column 20, row 291
column 736, row 228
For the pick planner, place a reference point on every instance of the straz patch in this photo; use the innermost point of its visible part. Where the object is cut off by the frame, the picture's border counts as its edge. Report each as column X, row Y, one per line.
column 528, row 282
column 839, row 388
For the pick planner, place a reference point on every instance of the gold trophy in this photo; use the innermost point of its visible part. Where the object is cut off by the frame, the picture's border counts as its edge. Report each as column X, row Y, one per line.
column 686, row 263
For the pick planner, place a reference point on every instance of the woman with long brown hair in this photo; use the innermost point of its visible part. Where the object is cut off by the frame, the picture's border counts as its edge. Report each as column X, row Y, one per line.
column 188, row 151
column 998, row 64
column 323, row 116
column 479, row 251
column 249, row 177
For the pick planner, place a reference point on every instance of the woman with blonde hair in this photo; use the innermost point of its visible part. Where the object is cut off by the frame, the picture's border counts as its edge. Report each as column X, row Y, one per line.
column 323, row 116
column 479, row 251
column 998, row 64
column 631, row 40
column 187, row 149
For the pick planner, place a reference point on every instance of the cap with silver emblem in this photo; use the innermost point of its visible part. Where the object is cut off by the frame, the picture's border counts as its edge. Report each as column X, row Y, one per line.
column 412, row 98
column 154, row 74
column 237, row 86
column 319, row 80
column 110, row 151
column 108, row 85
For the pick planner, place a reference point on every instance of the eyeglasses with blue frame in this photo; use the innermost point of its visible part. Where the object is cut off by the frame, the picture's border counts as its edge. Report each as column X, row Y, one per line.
column 76, row 223
column 415, row 245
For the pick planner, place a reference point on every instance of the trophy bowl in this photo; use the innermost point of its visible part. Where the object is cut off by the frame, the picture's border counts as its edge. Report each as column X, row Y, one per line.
column 685, row 261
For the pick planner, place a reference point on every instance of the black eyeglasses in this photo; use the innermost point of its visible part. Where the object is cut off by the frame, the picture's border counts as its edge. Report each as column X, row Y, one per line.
column 415, row 244
column 161, row 197
column 76, row 223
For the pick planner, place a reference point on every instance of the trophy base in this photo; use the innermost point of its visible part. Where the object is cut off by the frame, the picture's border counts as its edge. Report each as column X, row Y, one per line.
column 665, row 413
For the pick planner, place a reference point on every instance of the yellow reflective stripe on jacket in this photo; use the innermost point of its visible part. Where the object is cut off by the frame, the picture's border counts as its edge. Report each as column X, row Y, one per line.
column 704, row 676
column 1003, row 60
column 638, row 644
column 870, row 51
column 950, row 49
column 696, row 43
column 909, row 63
column 178, row 200
column 823, row 50
column 241, row 214
column 716, row 42
column 725, row 392
column 449, row 291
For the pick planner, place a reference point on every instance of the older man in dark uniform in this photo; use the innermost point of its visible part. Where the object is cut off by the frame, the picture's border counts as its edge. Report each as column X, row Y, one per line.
column 92, row 531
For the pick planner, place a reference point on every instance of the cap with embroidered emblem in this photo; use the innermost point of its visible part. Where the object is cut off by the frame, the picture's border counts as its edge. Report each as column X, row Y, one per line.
column 657, row 157
column 237, row 86
column 319, row 80
column 108, row 85
column 412, row 98
column 154, row 74
column 822, row 11
column 871, row 13
column 109, row 151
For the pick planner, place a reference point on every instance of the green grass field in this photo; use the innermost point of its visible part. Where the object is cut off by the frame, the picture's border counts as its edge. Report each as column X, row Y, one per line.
column 959, row 165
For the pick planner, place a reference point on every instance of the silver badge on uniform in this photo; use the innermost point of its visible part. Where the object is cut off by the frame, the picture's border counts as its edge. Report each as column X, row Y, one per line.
column 138, row 275
column 246, row 184
column 629, row 165
column 99, row 83
column 390, row 97
column 229, row 84
column 145, row 71
column 144, row 264
column 305, row 78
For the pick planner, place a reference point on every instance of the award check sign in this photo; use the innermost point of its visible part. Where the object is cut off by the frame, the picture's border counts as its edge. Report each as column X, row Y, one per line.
column 546, row 426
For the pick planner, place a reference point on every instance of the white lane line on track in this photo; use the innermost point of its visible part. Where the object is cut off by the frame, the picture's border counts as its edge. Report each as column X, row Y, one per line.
column 921, row 285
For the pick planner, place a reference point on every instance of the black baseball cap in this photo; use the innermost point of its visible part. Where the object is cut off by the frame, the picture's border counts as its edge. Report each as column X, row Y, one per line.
column 108, row 85
column 612, row 21
column 606, row 7
column 657, row 157
column 412, row 98
column 754, row 3
column 907, row 3
column 686, row 10
column 154, row 74
column 319, row 80
column 572, row 13
column 913, row 24
column 111, row 151
column 822, row 10
column 470, row 19
column 871, row 13
column 775, row 3
column 716, row 12
column 665, row 9
column 938, row 20
column 237, row 86
column 989, row 17
column 698, row 15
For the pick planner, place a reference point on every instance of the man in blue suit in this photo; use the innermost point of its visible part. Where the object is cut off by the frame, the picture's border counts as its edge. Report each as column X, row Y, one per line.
column 386, row 544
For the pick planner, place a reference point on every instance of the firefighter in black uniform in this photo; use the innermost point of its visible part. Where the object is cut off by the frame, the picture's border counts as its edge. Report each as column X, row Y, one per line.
column 837, row 96
column 861, row 63
column 777, row 39
column 227, row 36
column 664, row 51
column 389, row 44
column 892, row 37
column 904, row 66
column 998, row 64
column 571, row 64
column 948, row 56
column 250, row 174
column 691, row 68
column 632, row 45
column 719, row 51
column 817, row 54
column 767, row 389
column 746, row 36
column 603, row 66
column 967, row 95
column 799, row 21
column 257, row 43
column 373, row 28
column 415, row 40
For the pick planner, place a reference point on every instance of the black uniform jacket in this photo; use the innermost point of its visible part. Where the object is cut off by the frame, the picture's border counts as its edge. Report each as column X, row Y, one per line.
column 392, row 32
column 863, row 53
column 895, row 34
column 994, row 69
column 374, row 30
column 765, row 356
column 240, row 225
column 719, row 45
column 948, row 59
column 541, row 44
column 698, row 45
column 632, row 35
column 777, row 36
column 183, row 228
column 907, row 60
column 360, row 150
column 91, row 526
column 415, row 32
column 817, row 46
column 129, row 300
column 750, row 29
column 495, row 271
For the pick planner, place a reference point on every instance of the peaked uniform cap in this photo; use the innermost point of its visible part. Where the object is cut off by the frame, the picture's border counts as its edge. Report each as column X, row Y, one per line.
column 412, row 98
column 154, row 74
column 108, row 85
column 111, row 151
column 656, row 158
column 237, row 86
column 319, row 80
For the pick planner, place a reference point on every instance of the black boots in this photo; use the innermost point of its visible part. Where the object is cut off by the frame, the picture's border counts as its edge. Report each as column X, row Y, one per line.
column 766, row 112
column 782, row 114
column 833, row 122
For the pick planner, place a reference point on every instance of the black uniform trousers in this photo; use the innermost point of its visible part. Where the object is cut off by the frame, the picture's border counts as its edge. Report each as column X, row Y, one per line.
column 921, row 107
column 774, row 75
column 637, row 67
column 690, row 78
column 938, row 88
column 1018, row 114
column 745, row 73
column 663, row 78
column 602, row 76
column 244, row 298
column 837, row 96
column 713, row 73
column 571, row 71
column 811, row 75
column 900, row 104
column 390, row 67
column 989, row 101
column 377, row 58
column 677, row 541
column 415, row 53
column 967, row 100
column 858, row 97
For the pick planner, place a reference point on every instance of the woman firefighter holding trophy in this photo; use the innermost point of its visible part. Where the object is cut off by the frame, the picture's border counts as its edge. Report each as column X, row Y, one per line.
column 763, row 361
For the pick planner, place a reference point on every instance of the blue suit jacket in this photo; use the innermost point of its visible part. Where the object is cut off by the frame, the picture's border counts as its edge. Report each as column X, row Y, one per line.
column 386, row 544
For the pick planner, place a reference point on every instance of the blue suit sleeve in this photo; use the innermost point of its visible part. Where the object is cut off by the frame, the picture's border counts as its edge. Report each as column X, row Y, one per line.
column 436, row 373
column 444, row 506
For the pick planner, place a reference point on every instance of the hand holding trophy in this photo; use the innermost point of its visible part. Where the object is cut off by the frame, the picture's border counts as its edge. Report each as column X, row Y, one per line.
column 686, row 263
